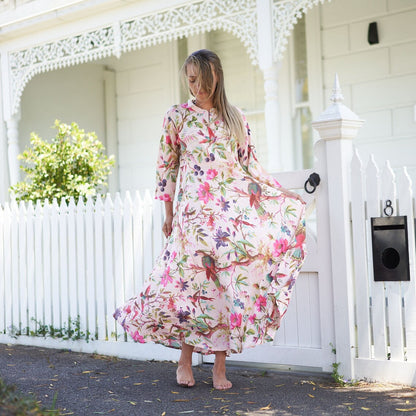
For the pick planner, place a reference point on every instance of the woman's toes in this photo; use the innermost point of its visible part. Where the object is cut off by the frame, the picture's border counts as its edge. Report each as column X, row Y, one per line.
column 223, row 386
column 220, row 381
column 184, row 376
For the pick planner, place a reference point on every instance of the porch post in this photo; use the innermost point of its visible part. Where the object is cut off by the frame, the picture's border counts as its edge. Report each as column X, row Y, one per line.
column 270, row 73
column 337, row 126
column 13, row 147
column 11, row 119
column 4, row 171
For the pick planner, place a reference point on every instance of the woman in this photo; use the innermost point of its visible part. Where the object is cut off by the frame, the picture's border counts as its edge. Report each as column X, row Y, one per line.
column 235, row 242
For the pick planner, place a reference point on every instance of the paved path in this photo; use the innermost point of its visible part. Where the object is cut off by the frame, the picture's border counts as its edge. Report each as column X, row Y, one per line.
column 88, row 385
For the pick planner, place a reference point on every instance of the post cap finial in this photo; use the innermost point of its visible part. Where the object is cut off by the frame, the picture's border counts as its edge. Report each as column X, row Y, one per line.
column 336, row 96
column 337, row 121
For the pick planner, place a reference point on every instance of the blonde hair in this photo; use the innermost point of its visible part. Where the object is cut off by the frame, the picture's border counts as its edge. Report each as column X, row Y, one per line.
column 205, row 62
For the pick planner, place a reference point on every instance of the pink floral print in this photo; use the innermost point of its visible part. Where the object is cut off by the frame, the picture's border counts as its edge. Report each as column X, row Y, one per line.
column 226, row 274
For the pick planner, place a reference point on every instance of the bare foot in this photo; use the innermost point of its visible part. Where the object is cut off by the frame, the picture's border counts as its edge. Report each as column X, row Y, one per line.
column 184, row 375
column 219, row 379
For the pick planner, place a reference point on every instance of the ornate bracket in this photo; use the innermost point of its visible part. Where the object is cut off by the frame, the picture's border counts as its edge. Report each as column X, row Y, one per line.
column 286, row 14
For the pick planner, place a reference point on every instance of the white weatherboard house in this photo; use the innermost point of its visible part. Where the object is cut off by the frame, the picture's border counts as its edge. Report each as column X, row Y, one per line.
column 112, row 66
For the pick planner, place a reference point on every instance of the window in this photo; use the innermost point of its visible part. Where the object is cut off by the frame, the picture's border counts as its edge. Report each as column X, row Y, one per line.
column 301, row 112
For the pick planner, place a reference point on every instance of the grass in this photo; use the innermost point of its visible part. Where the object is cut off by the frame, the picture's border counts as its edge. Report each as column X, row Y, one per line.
column 14, row 403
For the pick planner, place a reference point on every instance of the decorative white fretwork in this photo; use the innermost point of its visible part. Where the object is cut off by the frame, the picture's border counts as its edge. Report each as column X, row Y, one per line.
column 24, row 65
column 286, row 14
column 237, row 17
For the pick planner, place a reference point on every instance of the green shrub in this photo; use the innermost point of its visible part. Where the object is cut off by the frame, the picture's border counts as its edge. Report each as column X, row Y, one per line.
column 73, row 164
column 15, row 403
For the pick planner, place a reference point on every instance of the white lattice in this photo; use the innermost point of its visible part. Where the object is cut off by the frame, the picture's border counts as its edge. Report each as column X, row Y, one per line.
column 286, row 14
column 24, row 65
column 238, row 17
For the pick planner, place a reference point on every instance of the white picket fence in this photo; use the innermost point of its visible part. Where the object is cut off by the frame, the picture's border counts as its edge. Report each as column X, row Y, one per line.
column 61, row 262
column 385, row 312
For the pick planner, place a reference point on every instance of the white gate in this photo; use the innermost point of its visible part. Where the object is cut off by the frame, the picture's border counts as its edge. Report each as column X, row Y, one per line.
column 306, row 333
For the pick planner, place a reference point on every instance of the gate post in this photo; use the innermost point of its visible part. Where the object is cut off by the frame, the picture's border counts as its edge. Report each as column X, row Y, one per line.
column 337, row 126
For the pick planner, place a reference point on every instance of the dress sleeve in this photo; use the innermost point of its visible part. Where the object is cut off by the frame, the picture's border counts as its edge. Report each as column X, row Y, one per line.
column 168, row 160
column 250, row 163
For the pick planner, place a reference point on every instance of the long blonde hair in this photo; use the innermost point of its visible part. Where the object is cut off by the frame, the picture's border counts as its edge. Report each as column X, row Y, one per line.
column 205, row 61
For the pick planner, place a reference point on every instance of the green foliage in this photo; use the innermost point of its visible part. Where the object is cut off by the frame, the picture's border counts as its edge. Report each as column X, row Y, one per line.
column 73, row 164
column 338, row 378
column 70, row 331
column 14, row 403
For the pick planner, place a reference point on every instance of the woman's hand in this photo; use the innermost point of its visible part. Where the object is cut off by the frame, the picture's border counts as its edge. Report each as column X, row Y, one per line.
column 167, row 226
column 291, row 194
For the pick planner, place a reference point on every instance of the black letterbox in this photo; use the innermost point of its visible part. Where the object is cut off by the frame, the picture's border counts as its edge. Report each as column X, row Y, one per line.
column 390, row 248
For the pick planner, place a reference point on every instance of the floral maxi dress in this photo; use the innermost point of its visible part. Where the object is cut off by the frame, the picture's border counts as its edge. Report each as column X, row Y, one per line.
column 224, row 279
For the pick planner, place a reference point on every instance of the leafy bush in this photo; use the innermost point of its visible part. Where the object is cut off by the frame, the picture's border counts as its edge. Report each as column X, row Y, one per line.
column 73, row 164
column 14, row 403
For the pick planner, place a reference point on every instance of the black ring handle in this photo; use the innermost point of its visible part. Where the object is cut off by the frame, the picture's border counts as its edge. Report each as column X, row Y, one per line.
column 314, row 180
column 388, row 207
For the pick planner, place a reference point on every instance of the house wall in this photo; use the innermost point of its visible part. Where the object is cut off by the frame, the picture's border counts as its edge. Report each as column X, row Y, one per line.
column 74, row 94
column 146, row 86
column 244, row 84
column 378, row 81
column 144, row 89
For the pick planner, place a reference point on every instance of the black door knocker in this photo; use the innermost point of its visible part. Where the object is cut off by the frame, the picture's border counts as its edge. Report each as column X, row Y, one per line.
column 314, row 180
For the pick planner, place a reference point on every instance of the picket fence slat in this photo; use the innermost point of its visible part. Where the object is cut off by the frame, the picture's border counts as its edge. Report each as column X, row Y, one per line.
column 23, row 290
column 377, row 291
column 118, row 255
column 393, row 289
column 2, row 273
column 90, row 294
column 138, row 242
column 362, row 309
column 99, row 270
column 39, row 312
column 405, row 196
column 128, row 246
column 81, row 268
column 147, row 233
column 55, row 269
column 15, row 284
column 48, row 316
column 8, row 313
column 31, row 286
column 110, row 303
column 72, row 261
column 63, row 261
